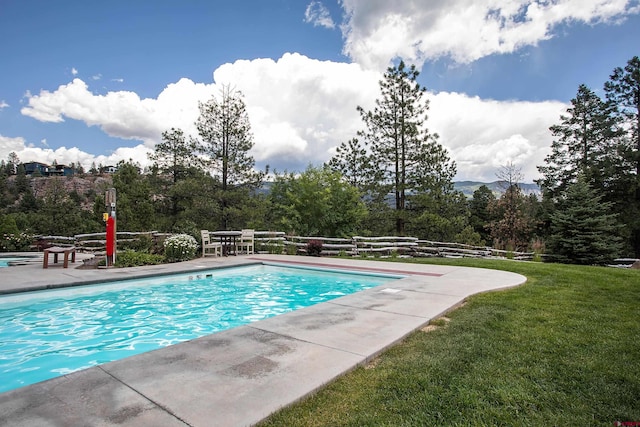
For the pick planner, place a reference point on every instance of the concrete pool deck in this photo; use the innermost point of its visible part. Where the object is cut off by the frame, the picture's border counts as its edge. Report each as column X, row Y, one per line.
column 240, row 376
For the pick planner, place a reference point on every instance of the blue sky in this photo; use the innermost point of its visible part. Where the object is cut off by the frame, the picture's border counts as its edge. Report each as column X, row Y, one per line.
column 99, row 81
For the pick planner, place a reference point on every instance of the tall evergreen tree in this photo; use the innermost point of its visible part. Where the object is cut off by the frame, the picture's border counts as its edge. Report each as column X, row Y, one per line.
column 623, row 91
column 355, row 164
column 407, row 154
column 13, row 161
column 175, row 159
column 479, row 209
column 585, row 142
column 226, row 138
column 4, row 188
column 22, row 183
column 133, row 198
column 583, row 231
column 175, row 155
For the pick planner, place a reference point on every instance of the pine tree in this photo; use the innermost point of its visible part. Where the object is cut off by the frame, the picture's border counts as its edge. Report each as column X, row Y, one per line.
column 12, row 163
column 355, row 164
column 174, row 159
column 585, row 142
column 583, row 231
column 479, row 209
column 22, row 182
column 175, row 155
column 623, row 91
column 226, row 138
column 408, row 156
column 134, row 201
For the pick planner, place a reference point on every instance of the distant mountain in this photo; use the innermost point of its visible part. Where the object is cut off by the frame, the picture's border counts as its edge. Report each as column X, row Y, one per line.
column 496, row 187
column 466, row 187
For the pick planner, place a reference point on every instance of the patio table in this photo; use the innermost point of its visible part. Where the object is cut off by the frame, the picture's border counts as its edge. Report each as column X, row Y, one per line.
column 227, row 240
column 55, row 250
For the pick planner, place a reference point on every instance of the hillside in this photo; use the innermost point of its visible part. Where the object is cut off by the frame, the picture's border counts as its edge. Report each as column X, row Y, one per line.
column 91, row 185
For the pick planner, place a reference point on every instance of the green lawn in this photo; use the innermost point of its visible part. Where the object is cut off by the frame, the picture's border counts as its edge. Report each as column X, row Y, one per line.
column 563, row 349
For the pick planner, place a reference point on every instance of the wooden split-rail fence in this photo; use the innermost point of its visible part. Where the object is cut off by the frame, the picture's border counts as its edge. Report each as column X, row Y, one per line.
column 278, row 242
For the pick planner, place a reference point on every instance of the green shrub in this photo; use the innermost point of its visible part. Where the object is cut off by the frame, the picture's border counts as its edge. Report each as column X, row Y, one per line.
column 130, row 258
column 276, row 248
column 292, row 250
column 314, row 247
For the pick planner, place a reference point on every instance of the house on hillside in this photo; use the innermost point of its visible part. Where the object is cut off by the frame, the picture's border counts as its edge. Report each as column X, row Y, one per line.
column 61, row 170
column 108, row 169
column 31, row 167
column 45, row 170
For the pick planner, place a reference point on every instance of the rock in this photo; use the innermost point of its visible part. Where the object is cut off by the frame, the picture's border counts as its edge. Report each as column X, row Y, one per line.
column 636, row 265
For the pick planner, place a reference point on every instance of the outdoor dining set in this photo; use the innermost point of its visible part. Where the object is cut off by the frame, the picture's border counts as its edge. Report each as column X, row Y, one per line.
column 225, row 243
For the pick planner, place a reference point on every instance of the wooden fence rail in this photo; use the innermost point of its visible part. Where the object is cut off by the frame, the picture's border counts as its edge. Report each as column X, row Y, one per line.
column 330, row 245
column 95, row 243
column 280, row 242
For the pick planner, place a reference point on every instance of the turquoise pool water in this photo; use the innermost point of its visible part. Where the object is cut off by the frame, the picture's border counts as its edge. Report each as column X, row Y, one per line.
column 4, row 261
column 50, row 333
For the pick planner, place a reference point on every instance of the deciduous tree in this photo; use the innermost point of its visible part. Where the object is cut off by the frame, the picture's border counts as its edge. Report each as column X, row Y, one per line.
column 316, row 203
column 512, row 227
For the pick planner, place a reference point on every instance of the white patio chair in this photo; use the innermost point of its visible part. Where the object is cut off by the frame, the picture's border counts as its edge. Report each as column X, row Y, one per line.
column 209, row 247
column 246, row 241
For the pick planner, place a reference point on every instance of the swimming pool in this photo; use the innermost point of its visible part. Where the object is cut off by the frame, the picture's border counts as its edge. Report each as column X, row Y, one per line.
column 4, row 261
column 50, row 333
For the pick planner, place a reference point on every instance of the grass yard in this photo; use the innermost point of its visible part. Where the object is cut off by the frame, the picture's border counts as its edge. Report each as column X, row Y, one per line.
column 563, row 349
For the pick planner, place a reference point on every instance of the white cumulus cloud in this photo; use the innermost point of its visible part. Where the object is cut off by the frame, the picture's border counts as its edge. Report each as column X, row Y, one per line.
column 299, row 107
column 376, row 32
column 484, row 135
column 300, row 110
column 121, row 114
column 318, row 15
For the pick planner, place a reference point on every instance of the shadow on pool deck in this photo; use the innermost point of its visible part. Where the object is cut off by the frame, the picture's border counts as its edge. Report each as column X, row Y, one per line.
column 240, row 376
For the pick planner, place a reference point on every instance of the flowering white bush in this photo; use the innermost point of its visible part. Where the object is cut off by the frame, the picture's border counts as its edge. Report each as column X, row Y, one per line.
column 180, row 247
column 15, row 242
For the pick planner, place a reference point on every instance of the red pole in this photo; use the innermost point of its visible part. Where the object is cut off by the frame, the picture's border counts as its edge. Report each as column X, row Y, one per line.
column 111, row 240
